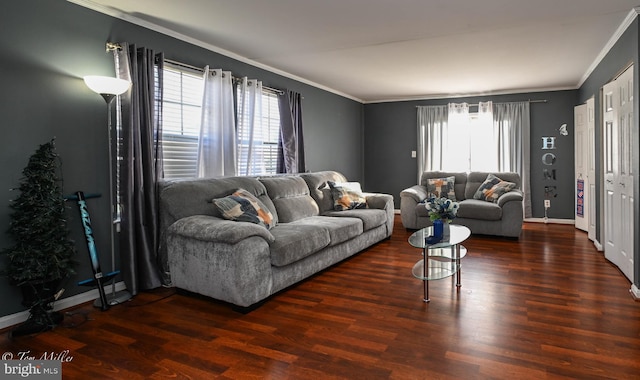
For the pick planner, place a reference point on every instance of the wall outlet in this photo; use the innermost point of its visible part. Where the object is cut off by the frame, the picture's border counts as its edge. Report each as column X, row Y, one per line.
column 413, row 154
column 547, row 203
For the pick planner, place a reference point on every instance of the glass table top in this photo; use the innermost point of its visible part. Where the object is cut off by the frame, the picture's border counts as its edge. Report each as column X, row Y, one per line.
column 458, row 234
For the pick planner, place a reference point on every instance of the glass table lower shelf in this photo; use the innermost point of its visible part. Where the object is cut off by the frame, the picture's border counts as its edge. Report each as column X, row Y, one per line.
column 443, row 257
column 442, row 264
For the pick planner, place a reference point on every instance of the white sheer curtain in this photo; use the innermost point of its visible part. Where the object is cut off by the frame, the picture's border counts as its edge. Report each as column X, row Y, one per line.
column 456, row 139
column 512, row 127
column 483, row 142
column 496, row 140
column 249, row 119
column 432, row 124
column 217, row 144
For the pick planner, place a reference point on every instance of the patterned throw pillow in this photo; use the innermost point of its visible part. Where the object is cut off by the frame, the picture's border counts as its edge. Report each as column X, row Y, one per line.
column 347, row 196
column 492, row 188
column 441, row 188
column 242, row 206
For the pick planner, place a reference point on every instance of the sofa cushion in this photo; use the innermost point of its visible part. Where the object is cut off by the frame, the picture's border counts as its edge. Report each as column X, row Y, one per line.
column 290, row 196
column 242, row 206
column 477, row 209
column 371, row 218
column 296, row 240
column 182, row 198
column 492, row 188
column 441, row 187
column 340, row 229
column 346, row 196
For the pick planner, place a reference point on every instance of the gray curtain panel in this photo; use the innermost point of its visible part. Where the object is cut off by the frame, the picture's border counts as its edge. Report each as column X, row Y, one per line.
column 140, row 167
column 513, row 123
column 432, row 126
column 291, row 144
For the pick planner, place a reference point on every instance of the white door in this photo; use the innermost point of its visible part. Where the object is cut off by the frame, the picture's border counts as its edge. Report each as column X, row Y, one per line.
column 590, row 202
column 618, row 174
column 625, row 178
column 610, row 137
column 581, row 176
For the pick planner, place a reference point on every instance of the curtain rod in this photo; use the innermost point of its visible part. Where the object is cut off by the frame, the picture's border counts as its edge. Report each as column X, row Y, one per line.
column 201, row 70
column 530, row 101
column 115, row 46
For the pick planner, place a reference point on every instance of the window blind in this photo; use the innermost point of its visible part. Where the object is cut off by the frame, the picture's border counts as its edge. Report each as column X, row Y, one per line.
column 181, row 121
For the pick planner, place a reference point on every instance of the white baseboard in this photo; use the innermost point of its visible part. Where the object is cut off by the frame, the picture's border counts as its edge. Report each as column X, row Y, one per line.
column 599, row 246
column 635, row 292
column 550, row 221
column 65, row 303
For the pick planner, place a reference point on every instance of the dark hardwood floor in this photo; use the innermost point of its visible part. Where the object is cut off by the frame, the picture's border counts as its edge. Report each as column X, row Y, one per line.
column 546, row 306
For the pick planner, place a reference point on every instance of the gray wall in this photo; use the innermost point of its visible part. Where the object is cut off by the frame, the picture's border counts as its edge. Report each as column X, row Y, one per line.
column 624, row 52
column 391, row 133
column 47, row 46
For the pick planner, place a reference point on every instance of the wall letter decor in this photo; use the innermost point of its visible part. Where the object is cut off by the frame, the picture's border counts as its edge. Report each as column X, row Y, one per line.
column 548, row 143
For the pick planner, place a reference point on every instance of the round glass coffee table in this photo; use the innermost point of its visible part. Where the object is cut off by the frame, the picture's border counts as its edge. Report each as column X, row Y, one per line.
column 442, row 259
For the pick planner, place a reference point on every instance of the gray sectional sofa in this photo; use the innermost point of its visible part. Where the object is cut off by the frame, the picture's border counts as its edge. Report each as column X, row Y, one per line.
column 244, row 263
column 504, row 217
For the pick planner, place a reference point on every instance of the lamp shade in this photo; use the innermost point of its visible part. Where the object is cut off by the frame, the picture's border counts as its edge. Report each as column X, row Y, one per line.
column 106, row 85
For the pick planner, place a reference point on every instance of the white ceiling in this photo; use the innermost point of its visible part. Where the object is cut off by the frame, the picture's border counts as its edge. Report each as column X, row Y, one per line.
column 379, row 50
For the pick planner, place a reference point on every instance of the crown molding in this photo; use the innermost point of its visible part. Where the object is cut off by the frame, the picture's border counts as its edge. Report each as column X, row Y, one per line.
column 633, row 14
column 171, row 33
column 470, row 95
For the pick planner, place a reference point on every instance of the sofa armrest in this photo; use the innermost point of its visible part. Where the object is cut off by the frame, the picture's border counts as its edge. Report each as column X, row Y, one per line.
column 513, row 195
column 382, row 202
column 417, row 192
column 210, row 228
column 379, row 201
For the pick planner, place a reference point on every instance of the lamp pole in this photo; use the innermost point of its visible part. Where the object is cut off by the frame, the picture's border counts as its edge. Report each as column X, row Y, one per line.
column 109, row 88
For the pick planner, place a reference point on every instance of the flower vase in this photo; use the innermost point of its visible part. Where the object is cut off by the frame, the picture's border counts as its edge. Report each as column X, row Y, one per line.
column 438, row 228
column 446, row 231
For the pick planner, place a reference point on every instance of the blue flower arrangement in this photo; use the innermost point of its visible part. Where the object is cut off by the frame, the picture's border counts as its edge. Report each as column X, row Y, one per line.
column 441, row 208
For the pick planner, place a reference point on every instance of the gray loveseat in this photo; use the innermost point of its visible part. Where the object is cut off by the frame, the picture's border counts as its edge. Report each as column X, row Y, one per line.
column 503, row 217
column 244, row 263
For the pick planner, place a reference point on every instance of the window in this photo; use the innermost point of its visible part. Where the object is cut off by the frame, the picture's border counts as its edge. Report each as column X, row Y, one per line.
column 181, row 121
column 472, row 136
column 265, row 137
column 483, row 143
column 181, row 115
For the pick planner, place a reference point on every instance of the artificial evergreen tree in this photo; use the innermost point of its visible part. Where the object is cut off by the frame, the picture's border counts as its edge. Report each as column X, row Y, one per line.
column 43, row 254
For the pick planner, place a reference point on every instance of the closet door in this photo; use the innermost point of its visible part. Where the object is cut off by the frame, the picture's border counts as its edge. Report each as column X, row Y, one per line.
column 581, row 164
column 618, row 172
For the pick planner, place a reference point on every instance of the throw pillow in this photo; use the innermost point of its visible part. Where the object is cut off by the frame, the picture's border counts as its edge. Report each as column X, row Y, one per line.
column 441, row 188
column 492, row 188
column 352, row 186
column 242, row 206
column 345, row 198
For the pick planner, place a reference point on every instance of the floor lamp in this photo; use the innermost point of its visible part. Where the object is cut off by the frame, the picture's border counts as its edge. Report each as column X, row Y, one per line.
column 109, row 88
